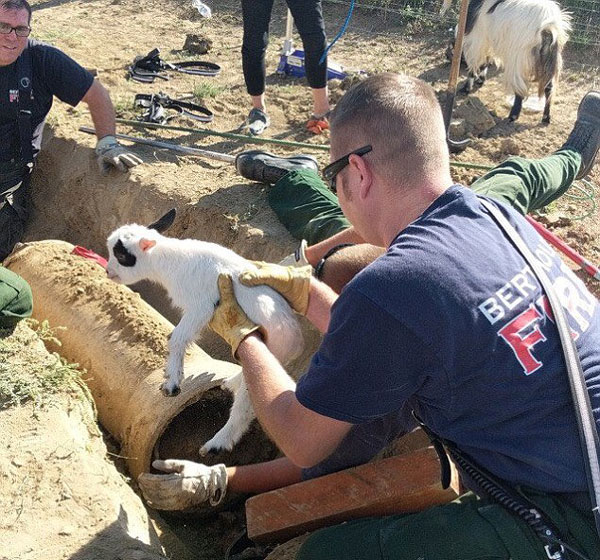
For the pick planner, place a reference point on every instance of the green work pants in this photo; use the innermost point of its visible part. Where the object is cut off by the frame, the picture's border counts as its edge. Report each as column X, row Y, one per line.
column 468, row 528
column 309, row 210
column 16, row 301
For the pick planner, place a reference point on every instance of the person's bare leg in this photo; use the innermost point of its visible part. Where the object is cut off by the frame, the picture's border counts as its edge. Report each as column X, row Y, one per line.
column 320, row 101
column 258, row 102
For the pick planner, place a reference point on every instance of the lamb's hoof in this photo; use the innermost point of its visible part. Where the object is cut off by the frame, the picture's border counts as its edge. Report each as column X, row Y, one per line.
column 512, row 118
column 546, row 120
column 170, row 391
column 204, row 451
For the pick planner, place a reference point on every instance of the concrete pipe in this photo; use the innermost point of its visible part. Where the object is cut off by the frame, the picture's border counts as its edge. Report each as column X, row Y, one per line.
column 122, row 344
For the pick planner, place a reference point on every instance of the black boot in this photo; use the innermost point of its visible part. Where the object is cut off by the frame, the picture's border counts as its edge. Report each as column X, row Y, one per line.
column 585, row 136
column 267, row 168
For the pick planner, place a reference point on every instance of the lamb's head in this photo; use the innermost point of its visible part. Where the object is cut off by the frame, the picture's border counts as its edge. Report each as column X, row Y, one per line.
column 130, row 247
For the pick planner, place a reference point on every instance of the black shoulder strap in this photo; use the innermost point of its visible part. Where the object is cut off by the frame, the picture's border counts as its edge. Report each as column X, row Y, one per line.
column 24, row 76
column 588, row 432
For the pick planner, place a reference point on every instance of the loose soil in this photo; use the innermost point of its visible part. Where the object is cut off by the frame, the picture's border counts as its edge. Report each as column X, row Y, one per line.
column 73, row 202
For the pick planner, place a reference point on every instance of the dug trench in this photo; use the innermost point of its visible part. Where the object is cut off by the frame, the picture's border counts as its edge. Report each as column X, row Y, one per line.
column 121, row 341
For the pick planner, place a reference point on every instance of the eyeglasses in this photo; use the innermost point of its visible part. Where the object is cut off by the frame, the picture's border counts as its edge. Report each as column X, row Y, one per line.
column 330, row 172
column 20, row 30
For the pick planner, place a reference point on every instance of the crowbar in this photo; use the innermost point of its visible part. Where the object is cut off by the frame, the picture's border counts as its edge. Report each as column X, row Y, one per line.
column 453, row 145
column 554, row 240
column 169, row 146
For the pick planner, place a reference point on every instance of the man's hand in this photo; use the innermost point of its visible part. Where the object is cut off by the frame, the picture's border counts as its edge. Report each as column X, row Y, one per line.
column 297, row 258
column 292, row 282
column 187, row 485
column 111, row 154
column 229, row 320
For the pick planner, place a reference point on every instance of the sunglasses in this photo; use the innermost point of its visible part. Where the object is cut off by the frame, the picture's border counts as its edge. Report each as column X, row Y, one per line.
column 20, row 31
column 330, row 172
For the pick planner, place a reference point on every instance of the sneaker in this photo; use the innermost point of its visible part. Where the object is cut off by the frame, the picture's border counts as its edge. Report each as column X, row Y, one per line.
column 263, row 167
column 585, row 136
column 257, row 121
column 318, row 123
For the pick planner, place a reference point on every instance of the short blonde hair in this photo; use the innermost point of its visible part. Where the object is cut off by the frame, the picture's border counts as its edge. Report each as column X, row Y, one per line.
column 401, row 118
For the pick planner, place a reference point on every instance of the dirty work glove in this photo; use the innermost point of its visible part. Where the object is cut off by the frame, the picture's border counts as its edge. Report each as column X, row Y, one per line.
column 111, row 154
column 229, row 320
column 292, row 282
column 187, row 485
column 298, row 257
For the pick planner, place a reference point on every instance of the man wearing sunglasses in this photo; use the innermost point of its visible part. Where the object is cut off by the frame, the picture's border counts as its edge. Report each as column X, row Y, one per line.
column 449, row 322
column 31, row 75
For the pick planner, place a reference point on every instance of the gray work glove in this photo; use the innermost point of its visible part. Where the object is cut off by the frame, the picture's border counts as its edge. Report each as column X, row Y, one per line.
column 111, row 154
column 187, row 485
column 298, row 257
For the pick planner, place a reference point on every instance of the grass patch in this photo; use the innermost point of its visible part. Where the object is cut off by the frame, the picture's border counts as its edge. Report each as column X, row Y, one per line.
column 29, row 374
column 206, row 90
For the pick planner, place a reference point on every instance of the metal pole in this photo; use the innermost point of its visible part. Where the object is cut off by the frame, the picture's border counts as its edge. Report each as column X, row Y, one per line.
column 554, row 240
column 232, row 135
column 169, row 146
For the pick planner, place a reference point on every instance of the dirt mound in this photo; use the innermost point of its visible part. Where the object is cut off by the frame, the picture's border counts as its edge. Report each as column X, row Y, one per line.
column 60, row 495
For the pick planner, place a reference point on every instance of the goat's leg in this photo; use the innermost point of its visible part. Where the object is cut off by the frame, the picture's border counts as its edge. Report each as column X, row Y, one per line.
column 482, row 75
column 516, row 108
column 468, row 87
column 183, row 334
column 236, row 426
column 548, row 94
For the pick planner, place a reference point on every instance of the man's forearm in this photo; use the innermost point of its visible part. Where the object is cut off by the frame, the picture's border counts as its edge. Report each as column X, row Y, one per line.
column 304, row 436
column 101, row 109
column 315, row 253
column 263, row 477
column 320, row 300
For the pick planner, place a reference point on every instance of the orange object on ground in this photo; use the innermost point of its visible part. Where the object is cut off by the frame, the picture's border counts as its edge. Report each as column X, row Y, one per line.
column 317, row 125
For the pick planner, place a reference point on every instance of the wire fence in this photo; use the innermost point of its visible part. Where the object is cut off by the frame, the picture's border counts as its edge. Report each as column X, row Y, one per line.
column 583, row 45
column 585, row 18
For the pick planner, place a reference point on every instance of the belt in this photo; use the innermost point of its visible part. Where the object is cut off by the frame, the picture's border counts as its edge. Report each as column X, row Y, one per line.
column 155, row 105
column 147, row 68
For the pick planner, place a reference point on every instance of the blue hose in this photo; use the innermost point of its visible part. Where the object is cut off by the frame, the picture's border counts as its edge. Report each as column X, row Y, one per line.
column 342, row 31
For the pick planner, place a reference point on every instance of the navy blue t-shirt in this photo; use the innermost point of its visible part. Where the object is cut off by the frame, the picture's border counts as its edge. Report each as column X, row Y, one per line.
column 452, row 321
column 53, row 74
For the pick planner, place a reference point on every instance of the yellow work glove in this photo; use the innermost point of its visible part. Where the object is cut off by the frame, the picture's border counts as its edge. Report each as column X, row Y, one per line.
column 229, row 320
column 292, row 282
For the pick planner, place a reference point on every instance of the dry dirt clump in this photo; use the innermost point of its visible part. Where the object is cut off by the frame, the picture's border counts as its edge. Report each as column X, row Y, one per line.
column 60, row 496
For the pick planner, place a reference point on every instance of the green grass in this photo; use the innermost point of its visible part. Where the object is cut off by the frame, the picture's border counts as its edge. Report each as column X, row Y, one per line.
column 28, row 374
column 206, row 90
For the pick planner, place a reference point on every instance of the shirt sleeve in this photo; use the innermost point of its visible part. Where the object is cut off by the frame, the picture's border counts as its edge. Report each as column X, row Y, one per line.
column 64, row 78
column 367, row 366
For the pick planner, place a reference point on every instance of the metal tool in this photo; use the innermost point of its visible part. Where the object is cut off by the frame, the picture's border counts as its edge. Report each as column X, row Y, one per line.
column 169, row 146
column 454, row 145
column 559, row 244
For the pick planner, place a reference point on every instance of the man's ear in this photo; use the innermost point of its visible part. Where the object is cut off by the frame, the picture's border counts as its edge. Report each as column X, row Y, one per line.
column 146, row 244
column 366, row 175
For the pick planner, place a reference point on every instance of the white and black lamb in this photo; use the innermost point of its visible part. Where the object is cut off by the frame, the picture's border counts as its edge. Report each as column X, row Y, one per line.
column 189, row 270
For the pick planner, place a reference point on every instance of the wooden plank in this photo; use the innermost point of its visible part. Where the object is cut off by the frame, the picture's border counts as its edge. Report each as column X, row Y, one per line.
column 402, row 484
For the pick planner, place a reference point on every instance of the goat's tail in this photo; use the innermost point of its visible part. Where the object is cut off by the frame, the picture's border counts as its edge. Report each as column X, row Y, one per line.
column 548, row 53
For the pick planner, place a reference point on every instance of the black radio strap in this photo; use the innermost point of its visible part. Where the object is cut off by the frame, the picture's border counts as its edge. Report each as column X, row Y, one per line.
column 588, row 432
column 24, row 75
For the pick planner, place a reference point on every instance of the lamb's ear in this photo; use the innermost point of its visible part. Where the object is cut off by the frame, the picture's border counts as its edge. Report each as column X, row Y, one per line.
column 146, row 244
column 164, row 223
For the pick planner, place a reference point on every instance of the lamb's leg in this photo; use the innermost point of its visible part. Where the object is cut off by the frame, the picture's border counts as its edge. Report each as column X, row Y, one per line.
column 548, row 94
column 516, row 108
column 183, row 334
column 238, row 423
